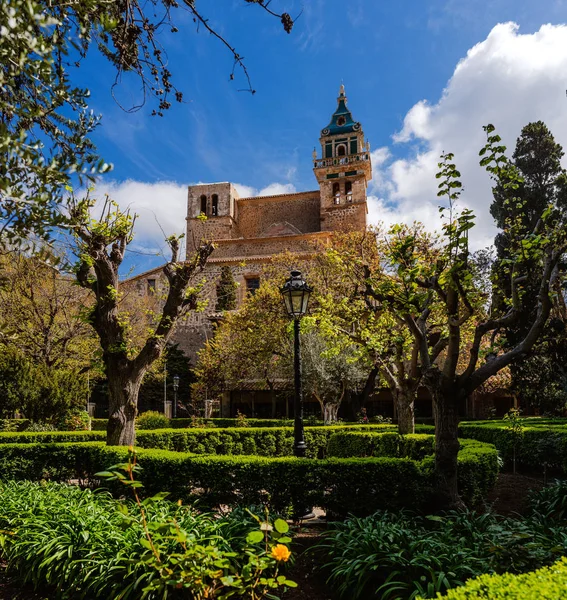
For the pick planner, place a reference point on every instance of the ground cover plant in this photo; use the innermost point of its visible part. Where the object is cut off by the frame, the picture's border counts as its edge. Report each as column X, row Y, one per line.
column 86, row 544
column 402, row 555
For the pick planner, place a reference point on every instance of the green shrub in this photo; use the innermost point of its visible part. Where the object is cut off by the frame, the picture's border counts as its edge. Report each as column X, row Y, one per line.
column 74, row 420
column 14, row 424
column 341, row 486
column 152, row 419
column 547, row 583
column 540, row 445
column 87, row 544
column 392, row 555
column 346, row 444
column 179, row 423
column 48, row 435
column 40, row 426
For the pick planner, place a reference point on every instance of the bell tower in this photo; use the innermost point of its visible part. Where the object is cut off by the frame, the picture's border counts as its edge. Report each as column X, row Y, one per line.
column 343, row 171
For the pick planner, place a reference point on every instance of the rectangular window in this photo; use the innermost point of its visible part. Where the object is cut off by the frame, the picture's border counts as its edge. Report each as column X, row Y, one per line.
column 252, row 284
column 353, row 146
column 328, row 150
column 151, row 286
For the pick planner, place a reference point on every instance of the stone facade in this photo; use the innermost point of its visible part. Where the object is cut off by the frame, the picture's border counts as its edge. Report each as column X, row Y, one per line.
column 248, row 231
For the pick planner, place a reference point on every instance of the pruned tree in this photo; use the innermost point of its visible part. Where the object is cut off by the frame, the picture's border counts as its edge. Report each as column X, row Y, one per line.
column 329, row 372
column 101, row 245
column 450, row 280
column 250, row 345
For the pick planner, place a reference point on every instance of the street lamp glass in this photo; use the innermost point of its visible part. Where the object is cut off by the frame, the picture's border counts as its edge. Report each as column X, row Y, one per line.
column 296, row 294
column 175, row 382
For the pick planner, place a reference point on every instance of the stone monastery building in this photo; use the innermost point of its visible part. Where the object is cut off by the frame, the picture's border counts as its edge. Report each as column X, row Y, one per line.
column 247, row 231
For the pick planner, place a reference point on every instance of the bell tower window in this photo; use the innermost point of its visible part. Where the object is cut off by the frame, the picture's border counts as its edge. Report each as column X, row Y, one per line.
column 336, row 192
column 203, row 204
column 215, row 205
column 341, row 150
column 348, row 190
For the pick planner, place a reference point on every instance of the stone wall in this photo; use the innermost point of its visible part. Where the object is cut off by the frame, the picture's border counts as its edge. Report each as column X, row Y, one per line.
column 256, row 215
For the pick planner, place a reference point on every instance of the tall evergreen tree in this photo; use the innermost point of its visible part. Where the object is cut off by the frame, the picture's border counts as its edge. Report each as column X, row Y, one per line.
column 540, row 380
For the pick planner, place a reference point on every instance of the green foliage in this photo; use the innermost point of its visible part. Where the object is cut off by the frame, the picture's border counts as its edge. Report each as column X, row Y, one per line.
column 241, row 420
column 89, row 544
column 39, row 392
column 152, row 419
column 392, row 555
column 547, row 583
column 347, row 444
column 542, row 442
column 74, row 420
column 342, row 486
column 226, row 290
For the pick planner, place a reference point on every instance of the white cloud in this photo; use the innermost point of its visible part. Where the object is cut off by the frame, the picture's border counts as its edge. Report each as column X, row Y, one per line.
column 509, row 80
column 161, row 207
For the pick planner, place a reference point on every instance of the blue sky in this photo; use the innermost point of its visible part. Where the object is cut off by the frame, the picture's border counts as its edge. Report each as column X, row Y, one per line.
column 395, row 58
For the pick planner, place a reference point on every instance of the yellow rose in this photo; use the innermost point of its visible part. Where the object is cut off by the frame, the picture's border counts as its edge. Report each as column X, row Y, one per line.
column 281, row 552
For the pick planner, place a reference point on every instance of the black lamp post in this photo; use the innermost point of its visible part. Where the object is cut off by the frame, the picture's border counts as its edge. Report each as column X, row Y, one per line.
column 175, row 388
column 296, row 294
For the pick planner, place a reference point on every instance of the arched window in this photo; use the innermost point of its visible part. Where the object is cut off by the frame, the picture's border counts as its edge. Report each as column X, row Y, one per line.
column 337, row 192
column 215, row 205
column 348, row 191
column 341, row 150
column 203, row 204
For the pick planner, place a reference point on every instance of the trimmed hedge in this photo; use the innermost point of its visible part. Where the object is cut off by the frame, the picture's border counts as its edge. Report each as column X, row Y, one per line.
column 50, row 437
column 355, row 443
column 539, row 444
column 548, row 583
column 100, row 424
column 355, row 485
column 268, row 441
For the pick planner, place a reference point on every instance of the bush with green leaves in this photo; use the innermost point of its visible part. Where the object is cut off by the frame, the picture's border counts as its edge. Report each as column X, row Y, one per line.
column 342, row 486
column 542, row 443
column 74, row 420
column 547, row 583
column 269, row 441
column 39, row 392
column 86, row 544
column 400, row 555
column 152, row 419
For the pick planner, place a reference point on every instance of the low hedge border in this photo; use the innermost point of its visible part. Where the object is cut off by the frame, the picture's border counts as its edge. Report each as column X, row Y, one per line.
column 340, row 485
column 266, row 441
column 547, row 583
column 539, row 444
column 347, row 444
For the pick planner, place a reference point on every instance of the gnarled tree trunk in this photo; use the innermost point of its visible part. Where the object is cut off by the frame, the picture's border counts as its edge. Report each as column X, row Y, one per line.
column 123, row 390
column 330, row 412
column 404, row 398
column 446, row 414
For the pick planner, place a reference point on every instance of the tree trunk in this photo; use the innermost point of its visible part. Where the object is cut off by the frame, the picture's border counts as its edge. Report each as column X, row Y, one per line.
column 123, row 388
column 446, row 414
column 369, row 387
column 330, row 412
column 404, row 399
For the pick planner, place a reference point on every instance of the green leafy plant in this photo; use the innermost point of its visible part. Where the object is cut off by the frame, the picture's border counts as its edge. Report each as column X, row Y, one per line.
column 206, row 571
column 513, row 425
column 400, row 555
column 152, row 419
column 74, row 420
column 241, row 420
